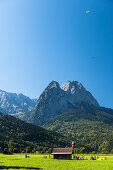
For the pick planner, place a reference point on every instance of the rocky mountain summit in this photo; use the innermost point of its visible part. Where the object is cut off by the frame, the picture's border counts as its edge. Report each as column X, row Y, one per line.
column 16, row 104
column 56, row 100
column 77, row 94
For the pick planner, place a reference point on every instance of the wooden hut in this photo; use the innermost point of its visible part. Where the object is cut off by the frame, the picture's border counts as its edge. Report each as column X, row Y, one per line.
column 62, row 153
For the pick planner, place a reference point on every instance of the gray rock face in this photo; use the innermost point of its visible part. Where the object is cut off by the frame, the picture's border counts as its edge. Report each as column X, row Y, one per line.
column 55, row 100
column 16, row 104
column 77, row 94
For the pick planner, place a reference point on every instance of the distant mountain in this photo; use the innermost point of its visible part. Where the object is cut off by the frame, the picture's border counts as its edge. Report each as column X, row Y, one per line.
column 56, row 100
column 91, row 129
column 24, row 134
column 16, row 104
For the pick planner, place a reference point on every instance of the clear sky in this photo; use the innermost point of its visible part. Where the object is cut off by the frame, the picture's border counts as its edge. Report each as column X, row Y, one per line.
column 45, row 40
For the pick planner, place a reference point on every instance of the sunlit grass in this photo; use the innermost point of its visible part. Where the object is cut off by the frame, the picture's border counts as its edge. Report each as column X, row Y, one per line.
column 38, row 161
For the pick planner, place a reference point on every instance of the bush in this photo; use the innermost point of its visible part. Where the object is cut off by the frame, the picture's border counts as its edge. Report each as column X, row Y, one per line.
column 82, row 150
column 28, row 149
column 111, row 151
column 15, row 150
column 5, row 151
column 50, row 150
column 93, row 152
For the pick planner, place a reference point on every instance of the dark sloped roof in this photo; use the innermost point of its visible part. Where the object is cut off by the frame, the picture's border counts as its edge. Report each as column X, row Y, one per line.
column 62, row 151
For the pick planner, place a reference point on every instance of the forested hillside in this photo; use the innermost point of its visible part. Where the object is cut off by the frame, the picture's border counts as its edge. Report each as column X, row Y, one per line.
column 91, row 130
column 18, row 136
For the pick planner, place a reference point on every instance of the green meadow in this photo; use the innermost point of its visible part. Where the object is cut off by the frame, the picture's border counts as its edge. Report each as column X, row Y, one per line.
column 37, row 161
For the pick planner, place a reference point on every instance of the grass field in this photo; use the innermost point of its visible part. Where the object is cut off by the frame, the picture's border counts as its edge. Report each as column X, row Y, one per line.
column 36, row 161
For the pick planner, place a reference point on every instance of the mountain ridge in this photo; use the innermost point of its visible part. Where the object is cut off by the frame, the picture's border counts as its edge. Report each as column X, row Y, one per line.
column 15, row 104
column 55, row 100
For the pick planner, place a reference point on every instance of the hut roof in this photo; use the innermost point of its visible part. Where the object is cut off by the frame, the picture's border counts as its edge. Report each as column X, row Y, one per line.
column 62, row 151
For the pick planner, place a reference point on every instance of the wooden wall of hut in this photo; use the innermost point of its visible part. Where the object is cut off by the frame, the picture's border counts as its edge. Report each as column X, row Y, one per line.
column 63, row 156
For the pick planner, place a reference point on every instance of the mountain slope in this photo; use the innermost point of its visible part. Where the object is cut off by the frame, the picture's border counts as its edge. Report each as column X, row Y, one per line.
column 56, row 100
column 77, row 94
column 25, row 134
column 16, row 104
column 2, row 111
column 92, row 129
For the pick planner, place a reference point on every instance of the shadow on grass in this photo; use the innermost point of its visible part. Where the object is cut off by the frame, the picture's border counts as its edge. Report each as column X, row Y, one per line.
column 18, row 167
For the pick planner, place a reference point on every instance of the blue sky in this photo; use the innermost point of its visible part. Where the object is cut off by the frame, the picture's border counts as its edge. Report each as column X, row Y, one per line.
column 45, row 40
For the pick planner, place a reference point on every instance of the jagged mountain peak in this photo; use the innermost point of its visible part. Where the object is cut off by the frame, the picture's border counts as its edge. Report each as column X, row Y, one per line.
column 53, row 84
column 16, row 104
column 70, row 86
column 77, row 94
column 52, row 88
column 56, row 100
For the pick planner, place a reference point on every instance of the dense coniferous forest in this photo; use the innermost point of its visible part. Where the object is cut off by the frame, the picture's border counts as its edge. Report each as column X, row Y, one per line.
column 19, row 136
column 91, row 130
